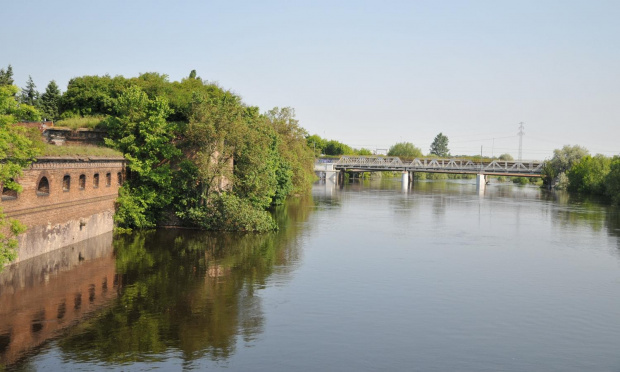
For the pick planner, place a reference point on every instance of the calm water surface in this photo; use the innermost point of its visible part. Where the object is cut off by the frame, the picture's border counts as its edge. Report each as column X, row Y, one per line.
column 364, row 278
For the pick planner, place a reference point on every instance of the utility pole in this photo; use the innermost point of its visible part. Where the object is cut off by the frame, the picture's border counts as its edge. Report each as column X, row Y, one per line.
column 521, row 133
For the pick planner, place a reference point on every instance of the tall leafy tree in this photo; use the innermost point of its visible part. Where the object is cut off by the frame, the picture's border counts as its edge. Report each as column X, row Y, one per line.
column 563, row 159
column 406, row 149
column 141, row 132
column 29, row 95
column 439, row 146
column 50, row 101
column 16, row 152
column 293, row 147
column 6, row 77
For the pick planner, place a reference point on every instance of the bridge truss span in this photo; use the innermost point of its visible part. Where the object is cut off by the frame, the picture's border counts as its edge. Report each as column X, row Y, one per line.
column 438, row 165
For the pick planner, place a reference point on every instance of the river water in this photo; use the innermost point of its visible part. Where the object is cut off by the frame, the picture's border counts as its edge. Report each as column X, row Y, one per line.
column 365, row 278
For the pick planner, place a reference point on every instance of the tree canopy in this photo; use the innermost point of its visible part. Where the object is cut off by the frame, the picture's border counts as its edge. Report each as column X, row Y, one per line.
column 439, row 147
column 406, row 149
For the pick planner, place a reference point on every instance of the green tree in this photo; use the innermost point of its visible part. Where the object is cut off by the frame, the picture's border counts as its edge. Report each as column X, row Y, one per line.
column 92, row 95
column 506, row 157
column 335, row 148
column 363, row 152
column 30, row 95
column 17, row 152
column 221, row 130
column 439, row 147
column 293, row 147
column 588, row 175
column 50, row 101
column 612, row 181
column 141, row 132
column 154, row 85
column 317, row 144
column 406, row 149
column 6, row 77
column 562, row 160
column 192, row 74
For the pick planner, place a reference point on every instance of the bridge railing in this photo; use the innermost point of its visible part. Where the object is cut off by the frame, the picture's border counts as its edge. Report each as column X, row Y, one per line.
column 436, row 164
column 463, row 164
column 374, row 161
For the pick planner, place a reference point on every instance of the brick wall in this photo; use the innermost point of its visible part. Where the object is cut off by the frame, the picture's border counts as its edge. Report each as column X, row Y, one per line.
column 62, row 203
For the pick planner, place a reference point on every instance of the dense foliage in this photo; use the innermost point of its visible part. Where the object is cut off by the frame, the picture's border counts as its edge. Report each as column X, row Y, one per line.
column 554, row 171
column 573, row 168
column 16, row 152
column 406, row 149
column 196, row 153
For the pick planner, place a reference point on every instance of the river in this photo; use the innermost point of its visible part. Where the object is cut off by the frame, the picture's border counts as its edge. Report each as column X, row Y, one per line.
column 367, row 277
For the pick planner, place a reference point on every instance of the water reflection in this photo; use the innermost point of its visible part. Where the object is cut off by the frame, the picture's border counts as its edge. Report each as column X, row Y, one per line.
column 141, row 297
column 565, row 210
column 188, row 292
column 42, row 296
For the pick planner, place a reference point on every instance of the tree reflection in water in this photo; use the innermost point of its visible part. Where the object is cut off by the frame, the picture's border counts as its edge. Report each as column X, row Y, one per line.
column 188, row 292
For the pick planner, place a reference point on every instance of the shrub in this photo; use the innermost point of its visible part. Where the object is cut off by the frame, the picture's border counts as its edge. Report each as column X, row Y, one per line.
column 227, row 212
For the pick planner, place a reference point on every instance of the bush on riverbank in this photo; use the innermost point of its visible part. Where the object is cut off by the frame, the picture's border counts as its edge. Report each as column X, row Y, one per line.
column 573, row 168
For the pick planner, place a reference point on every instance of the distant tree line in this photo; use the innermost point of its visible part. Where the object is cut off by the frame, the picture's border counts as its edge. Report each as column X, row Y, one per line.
column 322, row 146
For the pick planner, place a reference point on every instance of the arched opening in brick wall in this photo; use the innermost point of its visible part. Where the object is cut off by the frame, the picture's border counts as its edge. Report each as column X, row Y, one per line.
column 108, row 179
column 119, row 179
column 43, row 188
column 82, row 181
column 8, row 194
column 96, row 180
column 66, row 183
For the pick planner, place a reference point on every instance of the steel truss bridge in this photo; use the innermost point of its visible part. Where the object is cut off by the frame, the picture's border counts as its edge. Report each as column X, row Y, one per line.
column 436, row 165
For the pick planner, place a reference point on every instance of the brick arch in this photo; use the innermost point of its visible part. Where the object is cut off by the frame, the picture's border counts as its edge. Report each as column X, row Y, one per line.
column 42, row 180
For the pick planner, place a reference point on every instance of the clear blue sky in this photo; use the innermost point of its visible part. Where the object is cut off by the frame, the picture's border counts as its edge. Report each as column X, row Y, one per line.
column 367, row 73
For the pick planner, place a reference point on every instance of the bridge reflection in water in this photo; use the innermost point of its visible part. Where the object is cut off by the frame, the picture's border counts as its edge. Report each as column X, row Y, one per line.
column 42, row 296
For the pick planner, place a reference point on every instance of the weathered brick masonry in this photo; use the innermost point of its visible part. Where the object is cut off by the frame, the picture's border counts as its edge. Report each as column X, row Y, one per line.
column 64, row 200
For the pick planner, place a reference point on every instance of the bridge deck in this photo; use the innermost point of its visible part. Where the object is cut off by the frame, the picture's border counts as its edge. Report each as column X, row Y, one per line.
column 436, row 165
